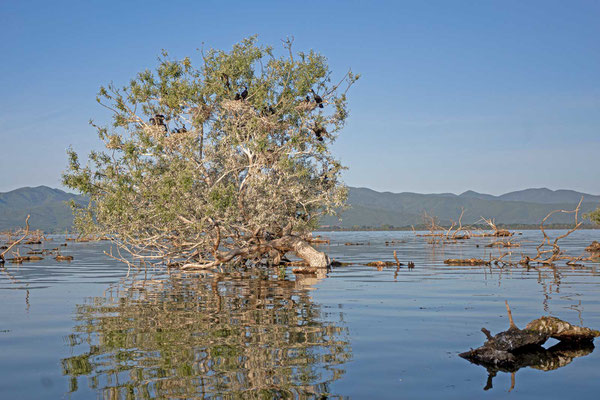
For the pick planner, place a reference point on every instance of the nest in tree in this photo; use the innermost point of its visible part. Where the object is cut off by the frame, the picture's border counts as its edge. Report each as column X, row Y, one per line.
column 202, row 112
column 306, row 106
column 267, row 124
column 177, row 139
column 235, row 106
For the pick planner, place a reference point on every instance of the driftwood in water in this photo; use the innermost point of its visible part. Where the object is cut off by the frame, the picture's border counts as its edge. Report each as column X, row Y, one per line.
column 512, row 348
column 16, row 242
column 516, row 348
column 20, row 259
column 501, row 243
column 594, row 247
column 466, row 261
column 381, row 264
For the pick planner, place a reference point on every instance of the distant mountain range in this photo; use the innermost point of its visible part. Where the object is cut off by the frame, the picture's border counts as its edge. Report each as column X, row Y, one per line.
column 368, row 208
column 48, row 208
column 525, row 207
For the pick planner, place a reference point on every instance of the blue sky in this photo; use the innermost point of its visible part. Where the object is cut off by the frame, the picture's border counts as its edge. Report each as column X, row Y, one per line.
column 491, row 96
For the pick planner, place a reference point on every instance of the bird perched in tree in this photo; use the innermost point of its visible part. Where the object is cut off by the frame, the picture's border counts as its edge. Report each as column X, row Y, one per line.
column 318, row 99
column 244, row 93
column 158, row 120
column 268, row 111
column 181, row 130
column 225, row 79
column 319, row 132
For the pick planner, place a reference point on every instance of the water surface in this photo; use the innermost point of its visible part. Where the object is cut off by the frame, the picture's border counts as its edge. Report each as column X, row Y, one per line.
column 87, row 329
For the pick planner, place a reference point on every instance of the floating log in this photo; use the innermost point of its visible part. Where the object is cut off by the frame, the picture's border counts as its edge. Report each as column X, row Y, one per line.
column 515, row 348
column 501, row 243
column 466, row 261
column 562, row 330
column 594, row 247
column 335, row 263
column 393, row 242
column 20, row 259
column 461, row 237
column 381, row 264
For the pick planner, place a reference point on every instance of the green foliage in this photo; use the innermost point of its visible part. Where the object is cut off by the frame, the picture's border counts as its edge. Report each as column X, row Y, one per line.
column 594, row 216
column 239, row 168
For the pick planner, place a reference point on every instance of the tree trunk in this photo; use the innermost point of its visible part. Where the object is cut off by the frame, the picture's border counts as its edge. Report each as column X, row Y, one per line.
column 314, row 258
column 284, row 244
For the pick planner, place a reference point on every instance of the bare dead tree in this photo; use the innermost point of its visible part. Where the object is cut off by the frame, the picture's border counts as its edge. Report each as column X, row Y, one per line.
column 13, row 244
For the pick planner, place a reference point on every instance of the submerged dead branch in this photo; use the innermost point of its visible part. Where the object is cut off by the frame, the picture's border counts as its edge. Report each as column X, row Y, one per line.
column 548, row 251
column 2, row 259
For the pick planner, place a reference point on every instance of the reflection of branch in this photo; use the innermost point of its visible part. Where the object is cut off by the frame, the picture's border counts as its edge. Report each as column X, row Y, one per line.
column 2, row 260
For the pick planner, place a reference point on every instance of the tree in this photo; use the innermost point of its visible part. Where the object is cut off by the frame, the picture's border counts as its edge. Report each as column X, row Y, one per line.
column 228, row 162
column 594, row 216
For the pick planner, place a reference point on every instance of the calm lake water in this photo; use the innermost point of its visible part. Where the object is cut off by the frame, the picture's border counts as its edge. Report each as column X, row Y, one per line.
column 85, row 329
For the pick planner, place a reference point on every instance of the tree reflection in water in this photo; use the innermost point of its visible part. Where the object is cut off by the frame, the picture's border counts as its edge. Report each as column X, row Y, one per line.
column 240, row 334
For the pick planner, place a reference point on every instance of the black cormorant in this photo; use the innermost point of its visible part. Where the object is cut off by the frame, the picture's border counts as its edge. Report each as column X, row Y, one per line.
column 225, row 79
column 318, row 99
column 158, row 120
column 319, row 132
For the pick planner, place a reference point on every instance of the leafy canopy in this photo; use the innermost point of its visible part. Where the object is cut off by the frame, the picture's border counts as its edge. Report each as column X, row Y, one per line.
column 191, row 164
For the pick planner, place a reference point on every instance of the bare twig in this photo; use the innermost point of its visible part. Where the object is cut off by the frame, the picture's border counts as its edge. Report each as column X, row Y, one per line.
column 2, row 260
